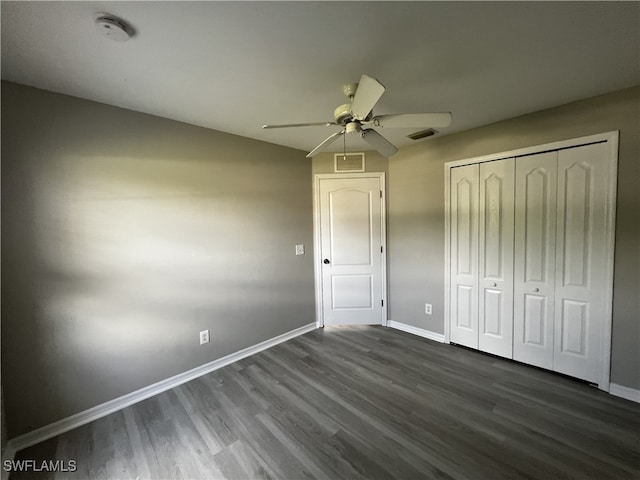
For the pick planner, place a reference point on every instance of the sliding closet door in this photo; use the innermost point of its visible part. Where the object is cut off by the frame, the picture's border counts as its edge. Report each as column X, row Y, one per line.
column 495, row 329
column 534, row 266
column 580, row 262
column 464, row 255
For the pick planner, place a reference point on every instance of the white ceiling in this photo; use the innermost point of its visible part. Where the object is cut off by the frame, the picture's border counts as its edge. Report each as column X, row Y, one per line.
column 233, row 66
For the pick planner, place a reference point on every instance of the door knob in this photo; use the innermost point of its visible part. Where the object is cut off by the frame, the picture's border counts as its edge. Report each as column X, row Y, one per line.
column 494, row 284
column 326, row 261
column 536, row 289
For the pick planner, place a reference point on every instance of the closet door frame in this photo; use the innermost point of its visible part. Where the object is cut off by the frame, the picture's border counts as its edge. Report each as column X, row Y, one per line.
column 611, row 138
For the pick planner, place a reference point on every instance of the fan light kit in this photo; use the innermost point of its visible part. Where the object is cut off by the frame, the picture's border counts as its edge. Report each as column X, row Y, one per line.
column 358, row 112
column 113, row 27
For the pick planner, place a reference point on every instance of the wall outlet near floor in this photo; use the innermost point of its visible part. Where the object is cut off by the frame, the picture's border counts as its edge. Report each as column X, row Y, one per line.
column 204, row 337
column 300, row 249
column 427, row 308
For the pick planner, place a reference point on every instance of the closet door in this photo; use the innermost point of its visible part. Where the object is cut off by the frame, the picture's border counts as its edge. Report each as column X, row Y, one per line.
column 534, row 265
column 580, row 261
column 495, row 324
column 464, row 255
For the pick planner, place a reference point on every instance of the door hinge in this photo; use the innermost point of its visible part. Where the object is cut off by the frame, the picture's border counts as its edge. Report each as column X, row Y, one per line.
column 382, row 301
column 380, row 248
column 380, row 193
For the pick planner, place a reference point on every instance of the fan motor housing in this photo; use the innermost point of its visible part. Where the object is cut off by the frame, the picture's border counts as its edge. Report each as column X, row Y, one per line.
column 342, row 114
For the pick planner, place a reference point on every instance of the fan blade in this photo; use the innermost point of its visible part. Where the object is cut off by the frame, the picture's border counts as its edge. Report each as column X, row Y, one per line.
column 377, row 141
column 289, row 125
column 328, row 141
column 413, row 120
column 367, row 95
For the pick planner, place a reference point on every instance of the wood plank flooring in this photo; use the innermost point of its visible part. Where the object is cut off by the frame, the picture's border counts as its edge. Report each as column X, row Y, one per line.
column 361, row 402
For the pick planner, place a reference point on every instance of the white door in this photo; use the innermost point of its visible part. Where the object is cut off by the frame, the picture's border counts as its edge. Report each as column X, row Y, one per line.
column 561, row 249
column 534, row 275
column 580, row 261
column 351, row 250
column 495, row 328
column 464, row 255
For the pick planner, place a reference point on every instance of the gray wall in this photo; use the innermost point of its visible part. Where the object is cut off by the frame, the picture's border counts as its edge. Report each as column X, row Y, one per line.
column 123, row 236
column 416, row 212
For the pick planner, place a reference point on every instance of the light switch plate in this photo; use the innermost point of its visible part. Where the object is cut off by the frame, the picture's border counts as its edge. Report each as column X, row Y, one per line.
column 300, row 249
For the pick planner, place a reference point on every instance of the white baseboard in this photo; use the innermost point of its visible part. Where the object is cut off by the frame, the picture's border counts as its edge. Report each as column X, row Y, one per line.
column 624, row 392
column 421, row 332
column 102, row 410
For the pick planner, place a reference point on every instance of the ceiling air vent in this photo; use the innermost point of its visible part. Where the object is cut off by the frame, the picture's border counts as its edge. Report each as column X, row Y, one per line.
column 429, row 132
column 348, row 162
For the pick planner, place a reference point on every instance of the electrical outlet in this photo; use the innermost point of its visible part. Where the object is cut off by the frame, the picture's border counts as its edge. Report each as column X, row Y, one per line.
column 427, row 308
column 300, row 249
column 204, row 337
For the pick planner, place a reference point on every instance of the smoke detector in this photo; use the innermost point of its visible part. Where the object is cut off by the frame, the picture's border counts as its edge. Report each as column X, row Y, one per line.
column 113, row 27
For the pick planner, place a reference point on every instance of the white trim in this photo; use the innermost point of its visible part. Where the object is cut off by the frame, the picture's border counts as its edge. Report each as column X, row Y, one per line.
column 383, row 239
column 317, row 251
column 609, row 245
column 447, row 254
column 624, row 392
column 612, row 142
column 545, row 147
column 104, row 409
column 421, row 332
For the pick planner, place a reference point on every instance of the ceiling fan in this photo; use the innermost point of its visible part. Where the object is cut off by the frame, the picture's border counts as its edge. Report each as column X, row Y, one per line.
column 358, row 113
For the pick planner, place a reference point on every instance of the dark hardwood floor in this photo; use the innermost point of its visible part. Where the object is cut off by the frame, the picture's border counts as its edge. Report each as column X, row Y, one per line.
column 362, row 402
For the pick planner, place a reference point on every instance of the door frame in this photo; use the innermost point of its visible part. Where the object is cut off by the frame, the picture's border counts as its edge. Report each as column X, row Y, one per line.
column 317, row 240
column 611, row 138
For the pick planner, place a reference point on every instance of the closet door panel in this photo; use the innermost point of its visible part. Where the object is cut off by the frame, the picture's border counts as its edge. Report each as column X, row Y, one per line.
column 534, row 254
column 580, row 260
column 495, row 328
column 464, row 256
